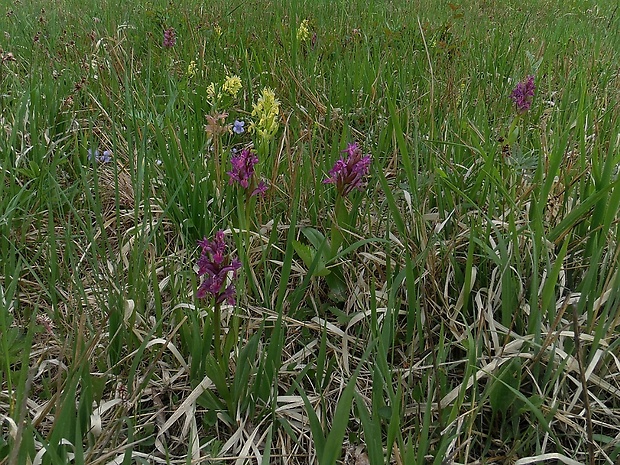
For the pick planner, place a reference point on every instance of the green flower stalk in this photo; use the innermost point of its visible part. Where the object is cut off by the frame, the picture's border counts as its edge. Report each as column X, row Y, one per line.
column 216, row 126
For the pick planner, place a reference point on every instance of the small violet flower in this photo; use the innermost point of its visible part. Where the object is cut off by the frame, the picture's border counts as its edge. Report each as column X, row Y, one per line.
column 170, row 38
column 348, row 174
column 104, row 157
column 523, row 94
column 238, row 127
column 217, row 264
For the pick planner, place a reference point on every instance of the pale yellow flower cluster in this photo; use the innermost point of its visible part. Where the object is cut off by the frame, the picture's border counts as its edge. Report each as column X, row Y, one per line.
column 266, row 111
column 459, row 96
column 192, row 69
column 232, row 85
column 211, row 91
column 303, row 32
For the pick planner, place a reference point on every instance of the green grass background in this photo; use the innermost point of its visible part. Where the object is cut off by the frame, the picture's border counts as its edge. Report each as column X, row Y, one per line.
column 471, row 315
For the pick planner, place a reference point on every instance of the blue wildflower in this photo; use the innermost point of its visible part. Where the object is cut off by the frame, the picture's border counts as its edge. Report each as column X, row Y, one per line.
column 96, row 156
column 238, row 127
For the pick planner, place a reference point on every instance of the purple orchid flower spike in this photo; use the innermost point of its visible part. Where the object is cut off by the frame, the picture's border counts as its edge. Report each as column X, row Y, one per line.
column 242, row 167
column 349, row 173
column 218, row 266
column 170, row 38
column 243, row 170
column 523, row 94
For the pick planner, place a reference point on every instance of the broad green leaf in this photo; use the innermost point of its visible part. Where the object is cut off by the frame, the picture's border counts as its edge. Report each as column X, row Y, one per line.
column 308, row 255
column 315, row 237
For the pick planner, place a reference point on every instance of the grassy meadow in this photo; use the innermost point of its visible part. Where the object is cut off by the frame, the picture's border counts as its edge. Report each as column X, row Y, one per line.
column 197, row 264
